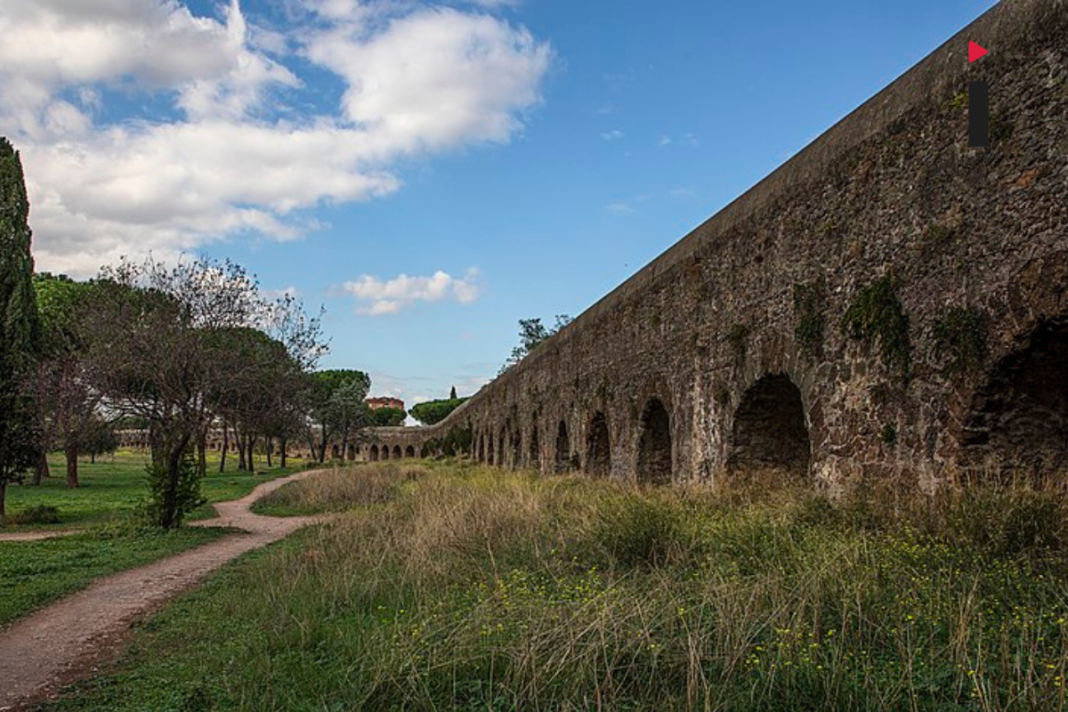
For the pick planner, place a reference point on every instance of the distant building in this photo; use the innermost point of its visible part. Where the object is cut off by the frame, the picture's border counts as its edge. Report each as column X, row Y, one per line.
column 376, row 403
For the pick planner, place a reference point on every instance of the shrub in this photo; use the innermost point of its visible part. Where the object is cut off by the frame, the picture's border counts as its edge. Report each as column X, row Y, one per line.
column 39, row 514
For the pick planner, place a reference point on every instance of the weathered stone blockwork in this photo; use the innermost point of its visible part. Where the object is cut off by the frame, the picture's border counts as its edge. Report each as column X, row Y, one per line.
column 742, row 321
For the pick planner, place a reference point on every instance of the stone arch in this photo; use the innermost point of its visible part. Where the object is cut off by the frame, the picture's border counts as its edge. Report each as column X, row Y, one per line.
column 385, row 452
column 335, row 453
column 396, row 455
column 770, row 431
column 598, row 447
column 1018, row 420
column 409, row 451
column 517, row 449
column 351, row 454
column 654, row 445
column 373, row 453
column 562, row 462
column 489, row 450
column 502, row 447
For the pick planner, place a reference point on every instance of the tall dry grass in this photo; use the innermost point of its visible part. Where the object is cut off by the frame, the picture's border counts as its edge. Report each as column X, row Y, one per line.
column 467, row 588
column 484, row 590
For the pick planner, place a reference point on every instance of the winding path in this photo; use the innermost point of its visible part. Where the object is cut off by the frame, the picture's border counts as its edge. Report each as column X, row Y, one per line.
column 68, row 639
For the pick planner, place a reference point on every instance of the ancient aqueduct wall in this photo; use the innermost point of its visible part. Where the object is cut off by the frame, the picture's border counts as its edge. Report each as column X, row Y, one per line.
column 729, row 350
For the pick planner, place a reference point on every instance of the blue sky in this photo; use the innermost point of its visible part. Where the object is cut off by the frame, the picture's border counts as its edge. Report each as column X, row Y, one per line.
column 532, row 154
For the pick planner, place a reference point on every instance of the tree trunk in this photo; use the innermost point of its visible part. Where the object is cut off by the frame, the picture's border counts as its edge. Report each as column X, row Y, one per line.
column 251, row 445
column 322, row 447
column 172, row 518
column 240, row 452
column 41, row 471
column 268, row 446
column 225, row 447
column 92, row 458
column 202, row 452
column 72, row 465
column 282, row 451
column 3, row 501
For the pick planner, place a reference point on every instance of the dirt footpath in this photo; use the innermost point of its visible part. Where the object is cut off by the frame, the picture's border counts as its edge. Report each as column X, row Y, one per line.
column 70, row 638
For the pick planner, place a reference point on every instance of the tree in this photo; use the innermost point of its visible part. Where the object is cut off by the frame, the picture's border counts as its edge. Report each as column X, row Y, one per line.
column 532, row 333
column 156, row 340
column 67, row 404
column 387, row 417
column 435, row 411
column 452, row 393
column 337, row 407
column 20, row 327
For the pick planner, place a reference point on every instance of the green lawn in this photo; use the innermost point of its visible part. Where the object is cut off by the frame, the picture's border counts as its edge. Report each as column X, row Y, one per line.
column 116, row 485
column 468, row 588
column 35, row 573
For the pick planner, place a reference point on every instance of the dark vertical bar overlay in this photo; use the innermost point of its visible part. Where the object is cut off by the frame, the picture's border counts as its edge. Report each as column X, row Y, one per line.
column 978, row 114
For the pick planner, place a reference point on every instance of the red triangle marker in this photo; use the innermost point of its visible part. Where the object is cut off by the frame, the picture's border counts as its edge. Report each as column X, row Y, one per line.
column 975, row 52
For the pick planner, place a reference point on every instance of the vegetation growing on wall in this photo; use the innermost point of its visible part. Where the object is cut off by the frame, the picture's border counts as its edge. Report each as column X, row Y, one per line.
column 877, row 317
column 960, row 340
column 809, row 311
column 456, row 442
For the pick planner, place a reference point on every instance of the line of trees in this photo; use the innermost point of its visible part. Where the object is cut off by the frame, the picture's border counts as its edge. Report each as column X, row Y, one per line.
column 435, row 411
column 177, row 350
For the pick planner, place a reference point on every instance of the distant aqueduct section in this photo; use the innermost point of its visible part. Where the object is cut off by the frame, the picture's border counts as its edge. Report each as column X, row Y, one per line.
column 887, row 302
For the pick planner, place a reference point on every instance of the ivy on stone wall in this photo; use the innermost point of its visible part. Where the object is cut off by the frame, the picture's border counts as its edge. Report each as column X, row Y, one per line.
column 809, row 310
column 960, row 340
column 877, row 317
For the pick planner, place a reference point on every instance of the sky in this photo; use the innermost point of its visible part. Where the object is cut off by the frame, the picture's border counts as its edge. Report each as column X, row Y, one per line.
column 429, row 172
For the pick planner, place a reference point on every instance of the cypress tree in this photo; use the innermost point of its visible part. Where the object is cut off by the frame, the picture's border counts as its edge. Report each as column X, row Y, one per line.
column 20, row 326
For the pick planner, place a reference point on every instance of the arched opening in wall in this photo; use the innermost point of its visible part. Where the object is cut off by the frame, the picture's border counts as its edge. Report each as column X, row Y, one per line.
column 396, row 452
column 409, row 451
column 489, row 450
column 563, row 449
column 1018, row 423
column 374, row 453
column 351, row 455
column 503, row 448
column 598, row 447
column 770, row 434
column 334, row 452
column 654, row 445
column 517, row 450
column 535, row 449
column 385, row 452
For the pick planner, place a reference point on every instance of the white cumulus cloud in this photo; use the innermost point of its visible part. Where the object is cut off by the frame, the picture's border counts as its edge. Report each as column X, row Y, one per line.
column 231, row 146
column 377, row 297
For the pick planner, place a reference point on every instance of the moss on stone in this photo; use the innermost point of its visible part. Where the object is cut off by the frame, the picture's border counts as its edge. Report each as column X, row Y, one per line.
column 960, row 339
column 810, row 307
column 877, row 317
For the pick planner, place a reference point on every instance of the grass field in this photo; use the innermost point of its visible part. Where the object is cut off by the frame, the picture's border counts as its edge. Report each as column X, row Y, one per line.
column 115, row 485
column 459, row 587
column 33, row 574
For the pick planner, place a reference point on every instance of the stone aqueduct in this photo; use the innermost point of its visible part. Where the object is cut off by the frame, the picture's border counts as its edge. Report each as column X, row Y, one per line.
column 888, row 302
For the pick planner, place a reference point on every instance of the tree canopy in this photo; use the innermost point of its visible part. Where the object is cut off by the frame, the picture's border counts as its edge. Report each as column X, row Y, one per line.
column 435, row 411
column 20, row 327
